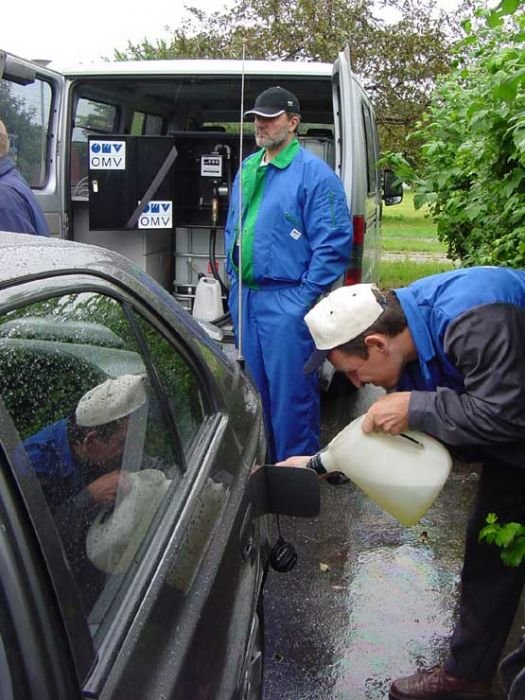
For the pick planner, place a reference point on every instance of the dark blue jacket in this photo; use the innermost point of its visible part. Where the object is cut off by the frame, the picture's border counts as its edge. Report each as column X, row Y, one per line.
column 468, row 384
column 19, row 210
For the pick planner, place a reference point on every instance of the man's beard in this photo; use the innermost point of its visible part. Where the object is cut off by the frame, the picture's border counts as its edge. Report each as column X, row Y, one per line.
column 272, row 142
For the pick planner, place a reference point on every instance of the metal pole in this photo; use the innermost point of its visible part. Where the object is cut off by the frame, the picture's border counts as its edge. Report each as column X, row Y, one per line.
column 240, row 357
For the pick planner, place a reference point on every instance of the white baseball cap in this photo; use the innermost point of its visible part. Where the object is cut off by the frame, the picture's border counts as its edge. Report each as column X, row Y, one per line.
column 340, row 317
column 111, row 400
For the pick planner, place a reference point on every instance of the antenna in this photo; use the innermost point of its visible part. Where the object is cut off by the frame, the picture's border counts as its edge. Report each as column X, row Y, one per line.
column 240, row 358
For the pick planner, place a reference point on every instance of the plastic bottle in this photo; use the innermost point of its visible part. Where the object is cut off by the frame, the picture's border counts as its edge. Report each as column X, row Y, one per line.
column 208, row 303
column 402, row 474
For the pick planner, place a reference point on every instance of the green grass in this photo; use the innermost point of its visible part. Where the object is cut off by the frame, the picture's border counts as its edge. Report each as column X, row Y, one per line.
column 408, row 229
column 410, row 232
column 400, row 273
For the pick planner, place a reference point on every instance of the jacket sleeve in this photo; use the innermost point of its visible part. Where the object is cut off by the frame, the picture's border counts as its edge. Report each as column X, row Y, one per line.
column 14, row 218
column 487, row 344
column 329, row 230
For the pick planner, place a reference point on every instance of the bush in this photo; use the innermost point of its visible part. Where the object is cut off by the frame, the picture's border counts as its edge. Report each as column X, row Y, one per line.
column 473, row 153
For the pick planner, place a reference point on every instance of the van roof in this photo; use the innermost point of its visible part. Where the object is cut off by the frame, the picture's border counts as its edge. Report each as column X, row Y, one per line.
column 198, row 66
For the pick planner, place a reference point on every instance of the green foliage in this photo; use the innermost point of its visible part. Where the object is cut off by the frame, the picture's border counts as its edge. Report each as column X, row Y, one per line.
column 397, row 62
column 510, row 537
column 473, row 144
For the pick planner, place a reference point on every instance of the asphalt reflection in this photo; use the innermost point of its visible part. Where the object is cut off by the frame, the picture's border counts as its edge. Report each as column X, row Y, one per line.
column 369, row 599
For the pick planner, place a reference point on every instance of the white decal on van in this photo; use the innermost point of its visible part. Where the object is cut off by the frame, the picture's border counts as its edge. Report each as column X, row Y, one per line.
column 107, row 155
column 156, row 215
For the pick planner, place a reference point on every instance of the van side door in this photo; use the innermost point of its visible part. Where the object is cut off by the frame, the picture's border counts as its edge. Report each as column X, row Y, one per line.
column 356, row 156
column 31, row 105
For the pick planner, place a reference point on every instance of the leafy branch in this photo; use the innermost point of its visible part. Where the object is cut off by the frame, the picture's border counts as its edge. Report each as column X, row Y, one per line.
column 471, row 165
column 510, row 537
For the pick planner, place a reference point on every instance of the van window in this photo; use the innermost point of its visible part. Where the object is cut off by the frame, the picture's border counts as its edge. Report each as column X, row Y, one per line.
column 26, row 112
column 90, row 117
column 372, row 150
column 146, row 124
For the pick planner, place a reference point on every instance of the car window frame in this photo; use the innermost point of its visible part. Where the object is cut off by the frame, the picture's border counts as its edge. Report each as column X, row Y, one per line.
column 57, row 285
column 50, row 586
column 173, row 522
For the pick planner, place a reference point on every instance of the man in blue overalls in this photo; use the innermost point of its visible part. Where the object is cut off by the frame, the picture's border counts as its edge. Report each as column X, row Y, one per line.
column 296, row 242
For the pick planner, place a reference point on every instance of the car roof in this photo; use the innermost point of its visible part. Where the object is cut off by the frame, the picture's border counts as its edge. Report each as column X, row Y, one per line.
column 23, row 255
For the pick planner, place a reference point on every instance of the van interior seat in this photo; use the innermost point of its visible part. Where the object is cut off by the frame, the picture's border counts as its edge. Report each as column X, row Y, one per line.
column 320, row 133
column 212, row 127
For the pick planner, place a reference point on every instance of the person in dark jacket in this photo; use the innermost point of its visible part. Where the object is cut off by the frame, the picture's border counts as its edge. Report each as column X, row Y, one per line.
column 19, row 209
column 449, row 350
column 296, row 242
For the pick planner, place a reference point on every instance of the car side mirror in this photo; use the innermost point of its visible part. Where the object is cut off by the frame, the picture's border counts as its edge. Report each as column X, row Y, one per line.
column 392, row 188
column 285, row 491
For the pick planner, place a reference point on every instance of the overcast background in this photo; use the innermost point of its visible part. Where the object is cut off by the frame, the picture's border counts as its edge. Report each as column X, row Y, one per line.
column 69, row 32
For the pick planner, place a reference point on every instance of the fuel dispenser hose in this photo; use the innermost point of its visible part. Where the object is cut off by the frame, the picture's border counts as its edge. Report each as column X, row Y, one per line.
column 226, row 317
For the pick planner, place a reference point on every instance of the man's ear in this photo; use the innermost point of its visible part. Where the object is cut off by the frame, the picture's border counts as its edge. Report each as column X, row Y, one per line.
column 377, row 341
column 294, row 122
column 89, row 438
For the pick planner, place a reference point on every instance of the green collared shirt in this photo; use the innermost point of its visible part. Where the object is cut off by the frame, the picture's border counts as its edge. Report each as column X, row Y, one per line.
column 253, row 180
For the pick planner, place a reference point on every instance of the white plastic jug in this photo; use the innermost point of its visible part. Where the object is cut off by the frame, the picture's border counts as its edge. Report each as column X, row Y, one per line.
column 402, row 474
column 208, row 303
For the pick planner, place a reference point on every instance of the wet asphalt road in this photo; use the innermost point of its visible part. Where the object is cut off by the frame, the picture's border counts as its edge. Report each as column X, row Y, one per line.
column 369, row 600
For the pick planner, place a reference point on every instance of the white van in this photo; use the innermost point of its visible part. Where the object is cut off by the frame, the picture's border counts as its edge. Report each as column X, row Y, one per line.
column 139, row 157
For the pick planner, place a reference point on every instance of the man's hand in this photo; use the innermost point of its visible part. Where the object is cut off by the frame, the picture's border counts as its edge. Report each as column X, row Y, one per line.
column 389, row 414
column 297, row 461
column 104, row 489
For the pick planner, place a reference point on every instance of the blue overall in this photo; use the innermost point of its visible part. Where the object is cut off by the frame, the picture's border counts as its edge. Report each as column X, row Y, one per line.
column 296, row 242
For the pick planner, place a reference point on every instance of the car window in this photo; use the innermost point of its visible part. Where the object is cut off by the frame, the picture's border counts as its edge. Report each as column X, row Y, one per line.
column 180, row 383
column 79, row 374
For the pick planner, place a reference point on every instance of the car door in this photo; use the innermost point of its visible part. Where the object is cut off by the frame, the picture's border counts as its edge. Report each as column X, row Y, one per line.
column 157, row 595
column 35, row 655
column 32, row 99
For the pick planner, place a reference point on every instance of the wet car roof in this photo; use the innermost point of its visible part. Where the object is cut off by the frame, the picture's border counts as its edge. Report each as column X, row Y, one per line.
column 24, row 257
column 52, row 254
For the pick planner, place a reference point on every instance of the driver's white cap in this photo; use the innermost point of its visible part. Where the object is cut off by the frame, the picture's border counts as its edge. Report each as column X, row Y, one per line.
column 111, row 400
column 340, row 317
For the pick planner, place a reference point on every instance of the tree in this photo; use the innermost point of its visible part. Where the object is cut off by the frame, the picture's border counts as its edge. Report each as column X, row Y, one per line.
column 473, row 136
column 398, row 62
